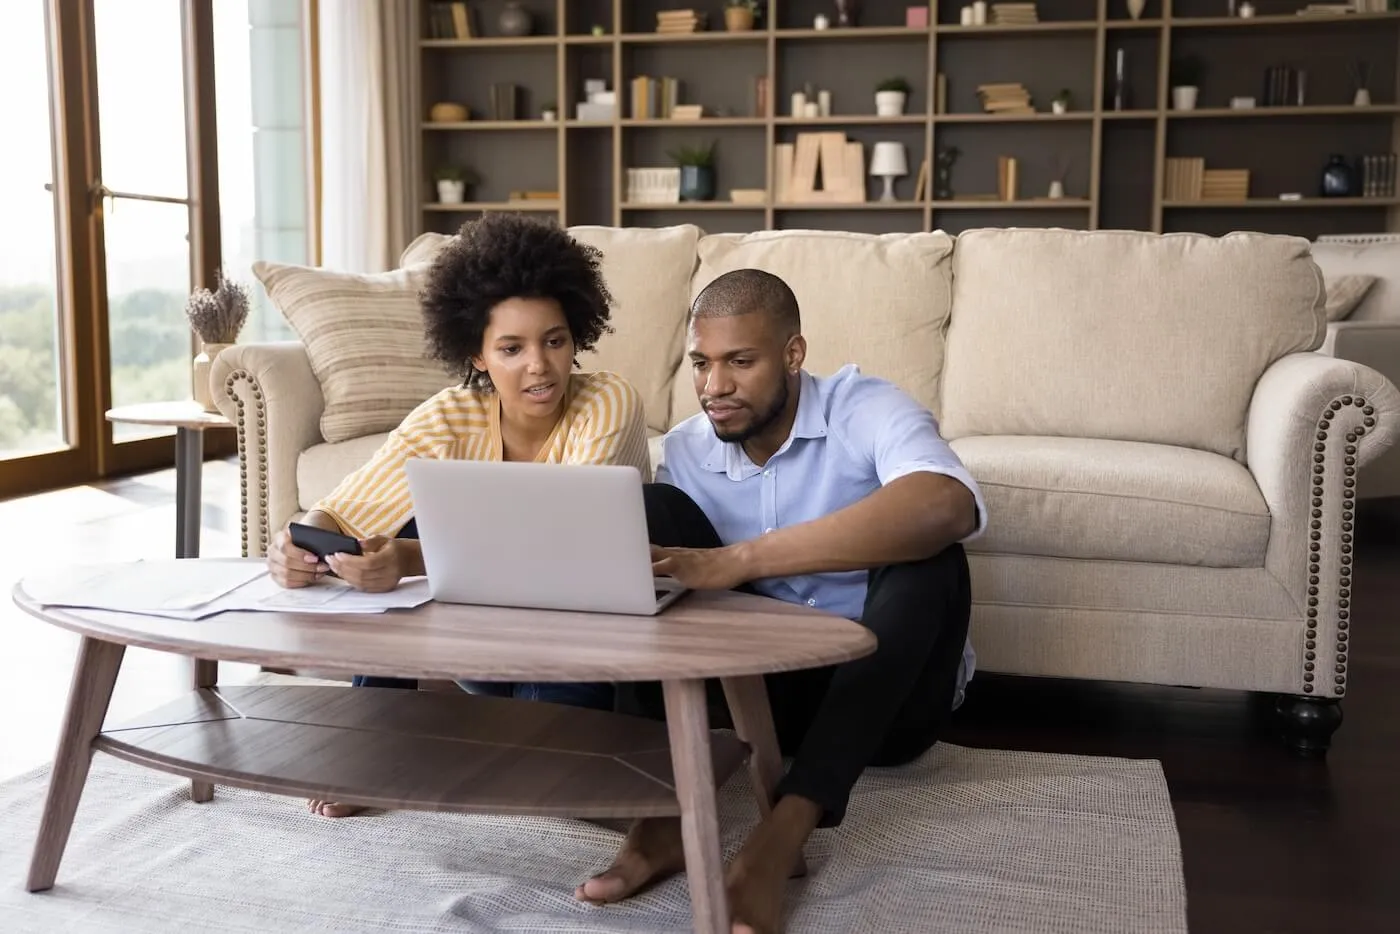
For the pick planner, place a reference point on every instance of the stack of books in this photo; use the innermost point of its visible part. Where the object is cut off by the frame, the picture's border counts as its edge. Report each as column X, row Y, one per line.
column 1008, row 170
column 1185, row 178
column 654, row 98
column 669, row 21
column 1014, row 14
column 1378, row 176
column 1010, row 98
column 1225, row 184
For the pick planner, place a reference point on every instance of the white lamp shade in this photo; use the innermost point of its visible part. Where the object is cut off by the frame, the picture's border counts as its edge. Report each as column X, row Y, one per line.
column 889, row 159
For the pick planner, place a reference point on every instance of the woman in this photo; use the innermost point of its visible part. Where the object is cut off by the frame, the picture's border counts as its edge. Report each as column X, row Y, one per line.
column 507, row 305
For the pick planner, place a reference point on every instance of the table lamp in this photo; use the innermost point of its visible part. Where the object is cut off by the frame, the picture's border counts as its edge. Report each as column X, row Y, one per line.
column 888, row 160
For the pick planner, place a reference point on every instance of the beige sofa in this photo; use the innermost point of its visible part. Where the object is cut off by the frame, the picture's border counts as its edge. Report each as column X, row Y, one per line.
column 1170, row 468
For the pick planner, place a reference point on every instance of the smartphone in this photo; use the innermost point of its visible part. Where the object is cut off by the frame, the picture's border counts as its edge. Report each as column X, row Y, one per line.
column 321, row 542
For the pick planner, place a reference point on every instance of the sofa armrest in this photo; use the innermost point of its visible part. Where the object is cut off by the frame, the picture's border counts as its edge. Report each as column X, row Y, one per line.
column 274, row 400
column 1314, row 421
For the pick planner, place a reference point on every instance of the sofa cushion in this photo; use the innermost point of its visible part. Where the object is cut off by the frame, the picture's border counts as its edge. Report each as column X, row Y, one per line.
column 321, row 467
column 1116, row 500
column 880, row 301
column 1380, row 259
column 648, row 272
column 1122, row 335
column 363, row 335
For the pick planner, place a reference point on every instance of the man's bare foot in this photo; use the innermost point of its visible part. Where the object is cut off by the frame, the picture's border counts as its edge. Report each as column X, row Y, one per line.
column 651, row 851
column 757, row 879
column 332, row 808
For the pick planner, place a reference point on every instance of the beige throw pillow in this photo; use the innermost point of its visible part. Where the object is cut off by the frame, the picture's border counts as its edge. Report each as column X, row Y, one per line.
column 364, row 337
column 1344, row 293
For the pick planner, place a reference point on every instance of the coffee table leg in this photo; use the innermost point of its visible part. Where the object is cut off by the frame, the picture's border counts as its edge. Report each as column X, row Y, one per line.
column 206, row 675
column 94, row 676
column 688, row 723
column 753, row 721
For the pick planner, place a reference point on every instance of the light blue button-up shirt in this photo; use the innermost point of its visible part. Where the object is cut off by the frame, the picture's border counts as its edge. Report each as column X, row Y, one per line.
column 852, row 434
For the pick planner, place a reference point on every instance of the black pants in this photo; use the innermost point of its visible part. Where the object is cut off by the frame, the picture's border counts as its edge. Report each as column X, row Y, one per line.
column 885, row 709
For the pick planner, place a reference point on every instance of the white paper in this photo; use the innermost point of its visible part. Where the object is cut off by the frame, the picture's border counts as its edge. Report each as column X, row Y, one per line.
column 143, row 586
column 194, row 589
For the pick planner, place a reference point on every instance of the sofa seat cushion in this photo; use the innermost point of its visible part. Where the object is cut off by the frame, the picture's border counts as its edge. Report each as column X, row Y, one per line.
column 321, row 467
column 1116, row 500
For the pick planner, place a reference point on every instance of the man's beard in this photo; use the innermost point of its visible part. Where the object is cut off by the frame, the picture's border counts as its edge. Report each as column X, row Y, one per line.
column 760, row 422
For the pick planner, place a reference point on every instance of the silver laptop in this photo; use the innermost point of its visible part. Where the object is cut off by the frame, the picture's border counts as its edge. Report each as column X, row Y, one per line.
column 542, row 536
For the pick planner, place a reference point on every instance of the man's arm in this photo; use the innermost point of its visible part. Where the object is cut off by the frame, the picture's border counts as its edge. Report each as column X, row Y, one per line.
column 909, row 519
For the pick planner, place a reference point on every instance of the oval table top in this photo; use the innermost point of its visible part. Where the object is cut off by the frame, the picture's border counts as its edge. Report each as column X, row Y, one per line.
column 184, row 414
column 704, row 634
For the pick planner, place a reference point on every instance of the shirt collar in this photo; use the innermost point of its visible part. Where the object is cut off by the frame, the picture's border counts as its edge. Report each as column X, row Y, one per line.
column 728, row 457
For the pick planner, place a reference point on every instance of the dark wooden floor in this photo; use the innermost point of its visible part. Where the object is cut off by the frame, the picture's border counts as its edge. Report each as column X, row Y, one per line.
column 1270, row 843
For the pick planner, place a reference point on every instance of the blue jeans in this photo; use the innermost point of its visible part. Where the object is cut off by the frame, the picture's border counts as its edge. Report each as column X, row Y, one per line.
column 592, row 696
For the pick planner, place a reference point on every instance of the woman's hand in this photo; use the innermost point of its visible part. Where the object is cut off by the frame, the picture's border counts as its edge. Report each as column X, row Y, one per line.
column 290, row 566
column 378, row 570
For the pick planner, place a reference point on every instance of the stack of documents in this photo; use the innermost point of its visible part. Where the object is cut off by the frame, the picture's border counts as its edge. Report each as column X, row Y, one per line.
column 196, row 588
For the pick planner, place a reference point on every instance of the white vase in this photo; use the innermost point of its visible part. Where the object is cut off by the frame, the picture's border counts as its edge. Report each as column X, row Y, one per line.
column 1058, row 107
column 889, row 103
column 1362, row 98
column 1135, row 8
column 1184, row 97
column 203, row 363
column 1057, row 189
column 451, row 192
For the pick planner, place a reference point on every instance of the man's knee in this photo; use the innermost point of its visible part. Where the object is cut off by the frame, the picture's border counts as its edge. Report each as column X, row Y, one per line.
column 938, row 583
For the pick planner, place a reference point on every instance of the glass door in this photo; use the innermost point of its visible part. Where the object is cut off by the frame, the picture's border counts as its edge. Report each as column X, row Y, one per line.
column 34, row 418
column 145, row 206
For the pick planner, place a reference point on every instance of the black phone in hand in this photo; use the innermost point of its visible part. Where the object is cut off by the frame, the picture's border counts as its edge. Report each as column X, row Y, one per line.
column 321, row 542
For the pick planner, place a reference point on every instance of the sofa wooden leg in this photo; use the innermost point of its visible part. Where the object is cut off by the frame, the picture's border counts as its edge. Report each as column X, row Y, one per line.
column 1307, row 723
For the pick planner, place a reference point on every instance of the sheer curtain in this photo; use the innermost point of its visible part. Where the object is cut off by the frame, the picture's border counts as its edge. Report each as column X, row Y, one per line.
column 367, row 133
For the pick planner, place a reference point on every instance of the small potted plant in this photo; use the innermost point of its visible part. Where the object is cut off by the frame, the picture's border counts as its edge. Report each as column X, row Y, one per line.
column 453, row 182
column 890, row 96
column 739, row 15
column 549, row 112
column 216, row 317
column 1062, row 101
column 1185, row 73
column 697, row 172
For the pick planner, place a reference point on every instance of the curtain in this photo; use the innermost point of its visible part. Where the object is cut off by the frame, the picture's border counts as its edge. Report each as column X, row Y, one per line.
column 400, row 124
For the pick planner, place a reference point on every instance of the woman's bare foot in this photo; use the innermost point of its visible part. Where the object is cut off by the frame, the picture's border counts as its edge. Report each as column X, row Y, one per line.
column 652, row 851
column 757, row 879
column 332, row 808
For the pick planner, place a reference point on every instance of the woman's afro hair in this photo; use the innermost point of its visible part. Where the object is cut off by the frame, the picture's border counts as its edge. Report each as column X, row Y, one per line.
column 503, row 256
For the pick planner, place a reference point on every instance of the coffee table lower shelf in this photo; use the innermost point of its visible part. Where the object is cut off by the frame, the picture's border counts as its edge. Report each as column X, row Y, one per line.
column 416, row 750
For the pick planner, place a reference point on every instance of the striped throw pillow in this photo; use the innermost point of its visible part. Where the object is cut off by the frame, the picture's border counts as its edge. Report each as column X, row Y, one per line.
column 363, row 334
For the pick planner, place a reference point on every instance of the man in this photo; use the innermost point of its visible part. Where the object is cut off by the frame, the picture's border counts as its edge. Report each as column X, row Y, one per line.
column 838, row 493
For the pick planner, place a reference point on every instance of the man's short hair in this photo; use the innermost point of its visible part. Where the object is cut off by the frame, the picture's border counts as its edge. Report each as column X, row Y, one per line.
column 745, row 291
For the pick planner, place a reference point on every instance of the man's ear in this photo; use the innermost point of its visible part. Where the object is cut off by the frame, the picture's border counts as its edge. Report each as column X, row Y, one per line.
column 795, row 354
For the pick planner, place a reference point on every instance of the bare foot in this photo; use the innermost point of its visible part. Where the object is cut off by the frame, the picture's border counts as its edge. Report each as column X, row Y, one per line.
column 652, row 851
column 332, row 808
column 757, row 879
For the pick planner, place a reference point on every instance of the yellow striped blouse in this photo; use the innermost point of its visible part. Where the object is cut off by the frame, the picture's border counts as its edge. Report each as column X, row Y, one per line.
column 602, row 423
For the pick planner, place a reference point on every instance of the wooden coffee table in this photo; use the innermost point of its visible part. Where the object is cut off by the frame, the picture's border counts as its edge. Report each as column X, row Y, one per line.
column 442, row 752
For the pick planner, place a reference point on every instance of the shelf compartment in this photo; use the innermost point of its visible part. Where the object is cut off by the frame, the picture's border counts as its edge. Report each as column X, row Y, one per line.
column 853, row 120
column 1030, row 29
column 857, row 32
column 863, row 206
column 1275, row 203
column 691, row 124
column 716, row 205
column 1021, row 204
column 752, row 37
column 1074, row 116
column 1273, row 21
column 1256, row 113
column 491, row 42
column 468, row 207
column 474, row 125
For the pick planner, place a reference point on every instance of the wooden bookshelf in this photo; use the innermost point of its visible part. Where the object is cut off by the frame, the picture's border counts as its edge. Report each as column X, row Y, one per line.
column 1116, row 158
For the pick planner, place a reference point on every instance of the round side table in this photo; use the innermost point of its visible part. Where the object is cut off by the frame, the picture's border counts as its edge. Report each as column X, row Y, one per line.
column 190, row 421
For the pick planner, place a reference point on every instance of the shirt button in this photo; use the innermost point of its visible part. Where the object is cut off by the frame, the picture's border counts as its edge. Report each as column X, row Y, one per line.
column 768, row 473
column 767, row 531
column 812, row 602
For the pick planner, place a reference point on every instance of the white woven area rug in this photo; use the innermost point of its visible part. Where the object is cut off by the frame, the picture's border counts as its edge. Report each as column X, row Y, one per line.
column 963, row 840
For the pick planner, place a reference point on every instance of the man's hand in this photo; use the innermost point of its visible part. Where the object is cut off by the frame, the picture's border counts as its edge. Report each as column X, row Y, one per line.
column 290, row 566
column 378, row 570
column 700, row 568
